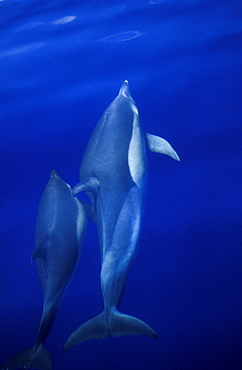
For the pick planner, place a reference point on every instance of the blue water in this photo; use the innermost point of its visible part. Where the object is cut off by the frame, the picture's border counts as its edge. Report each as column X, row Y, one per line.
column 61, row 64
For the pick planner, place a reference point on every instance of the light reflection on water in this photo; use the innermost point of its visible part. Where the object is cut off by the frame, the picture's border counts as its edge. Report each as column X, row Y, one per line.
column 122, row 36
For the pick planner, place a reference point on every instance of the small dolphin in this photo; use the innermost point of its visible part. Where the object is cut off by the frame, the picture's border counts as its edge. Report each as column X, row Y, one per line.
column 113, row 174
column 60, row 229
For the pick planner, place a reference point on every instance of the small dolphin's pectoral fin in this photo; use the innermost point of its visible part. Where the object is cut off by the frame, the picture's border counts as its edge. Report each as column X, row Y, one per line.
column 159, row 145
column 41, row 252
column 33, row 357
column 92, row 185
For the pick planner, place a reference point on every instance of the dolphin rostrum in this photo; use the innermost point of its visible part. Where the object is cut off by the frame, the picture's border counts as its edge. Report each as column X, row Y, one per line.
column 113, row 174
column 60, row 229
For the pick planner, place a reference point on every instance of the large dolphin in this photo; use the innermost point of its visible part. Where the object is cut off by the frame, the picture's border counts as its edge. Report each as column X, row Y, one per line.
column 113, row 174
column 60, row 228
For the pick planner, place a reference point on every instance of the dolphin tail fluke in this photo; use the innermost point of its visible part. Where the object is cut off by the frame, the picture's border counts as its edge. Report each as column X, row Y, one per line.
column 30, row 358
column 116, row 325
column 122, row 324
column 92, row 329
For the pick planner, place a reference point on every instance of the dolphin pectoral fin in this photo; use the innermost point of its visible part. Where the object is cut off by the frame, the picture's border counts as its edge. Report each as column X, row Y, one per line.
column 30, row 358
column 41, row 252
column 78, row 188
column 89, row 210
column 92, row 185
column 91, row 329
column 159, row 145
column 123, row 324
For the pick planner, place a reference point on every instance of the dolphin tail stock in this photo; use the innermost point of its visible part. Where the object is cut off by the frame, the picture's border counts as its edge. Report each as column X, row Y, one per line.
column 38, row 358
column 116, row 324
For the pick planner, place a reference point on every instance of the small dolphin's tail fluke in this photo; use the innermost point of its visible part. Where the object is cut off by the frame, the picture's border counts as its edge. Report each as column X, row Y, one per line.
column 115, row 324
column 36, row 358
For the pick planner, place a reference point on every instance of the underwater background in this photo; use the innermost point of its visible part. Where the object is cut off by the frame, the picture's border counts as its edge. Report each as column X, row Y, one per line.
column 61, row 65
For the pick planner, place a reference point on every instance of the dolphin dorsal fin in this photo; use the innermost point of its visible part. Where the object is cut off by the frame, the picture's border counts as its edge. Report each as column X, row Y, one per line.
column 159, row 145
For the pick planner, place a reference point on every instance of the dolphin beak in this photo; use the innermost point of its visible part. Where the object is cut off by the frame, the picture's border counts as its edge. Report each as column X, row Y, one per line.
column 125, row 91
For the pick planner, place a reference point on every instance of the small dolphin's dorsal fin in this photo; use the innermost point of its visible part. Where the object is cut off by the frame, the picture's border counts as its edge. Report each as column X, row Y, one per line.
column 41, row 252
column 92, row 185
column 159, row 145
